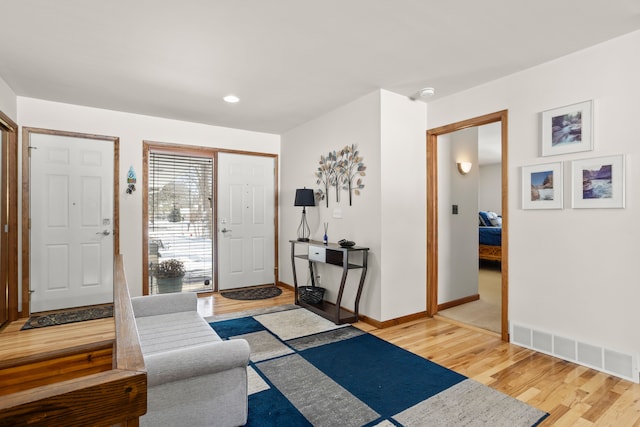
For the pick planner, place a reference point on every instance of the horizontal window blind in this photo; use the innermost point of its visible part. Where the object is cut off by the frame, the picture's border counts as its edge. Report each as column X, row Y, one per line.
column 180, row 222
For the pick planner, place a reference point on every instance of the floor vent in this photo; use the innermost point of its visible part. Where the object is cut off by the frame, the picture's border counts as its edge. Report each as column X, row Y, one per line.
column 602, row 359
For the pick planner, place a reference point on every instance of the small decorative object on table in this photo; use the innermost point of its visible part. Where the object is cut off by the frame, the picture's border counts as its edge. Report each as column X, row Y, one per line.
column 325, row 239
column 346, row 243
column 311, row 294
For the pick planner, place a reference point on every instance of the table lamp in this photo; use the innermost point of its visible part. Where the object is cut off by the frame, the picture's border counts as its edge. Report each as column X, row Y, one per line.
column 304, row 198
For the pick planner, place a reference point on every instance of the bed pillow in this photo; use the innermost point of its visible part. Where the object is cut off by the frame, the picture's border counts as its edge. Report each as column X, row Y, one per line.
column 484, row 218
column 490, row 219
column 496, row 220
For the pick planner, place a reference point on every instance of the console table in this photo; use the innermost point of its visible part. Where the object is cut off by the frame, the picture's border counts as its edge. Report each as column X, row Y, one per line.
column 333, row 254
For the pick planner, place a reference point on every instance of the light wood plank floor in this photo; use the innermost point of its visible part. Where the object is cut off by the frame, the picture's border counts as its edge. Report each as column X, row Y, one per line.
column 572, row 394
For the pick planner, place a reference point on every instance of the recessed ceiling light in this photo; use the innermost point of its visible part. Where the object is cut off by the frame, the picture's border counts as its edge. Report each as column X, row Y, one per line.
column 232, row 99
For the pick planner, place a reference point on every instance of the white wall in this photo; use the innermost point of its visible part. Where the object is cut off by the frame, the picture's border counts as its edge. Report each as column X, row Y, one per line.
column 457, row 233
column 490, row 188
column 8, row 101
column 355, row 123
column 571, row 272
column 132, row 129
column 403, row 206
column 388, row 217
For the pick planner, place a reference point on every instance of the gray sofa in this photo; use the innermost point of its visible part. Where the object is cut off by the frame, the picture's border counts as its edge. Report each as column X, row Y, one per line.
column 194, row 378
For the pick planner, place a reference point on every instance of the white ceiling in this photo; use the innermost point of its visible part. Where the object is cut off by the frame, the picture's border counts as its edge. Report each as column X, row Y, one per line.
column 289, row 61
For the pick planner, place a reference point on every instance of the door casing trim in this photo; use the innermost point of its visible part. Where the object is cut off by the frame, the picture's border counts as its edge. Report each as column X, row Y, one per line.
column 26, row 200
column 432, row 210
column 202, row 151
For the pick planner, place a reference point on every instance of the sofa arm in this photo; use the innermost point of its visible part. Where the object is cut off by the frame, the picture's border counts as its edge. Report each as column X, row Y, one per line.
column 153, row 305
column 195, row 361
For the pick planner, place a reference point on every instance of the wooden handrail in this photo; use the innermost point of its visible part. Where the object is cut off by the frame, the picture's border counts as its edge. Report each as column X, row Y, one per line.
column 128, row 352
column 116, row 396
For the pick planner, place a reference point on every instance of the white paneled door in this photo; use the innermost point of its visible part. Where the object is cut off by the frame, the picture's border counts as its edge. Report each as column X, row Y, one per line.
column 246, row 215
column 71, row 246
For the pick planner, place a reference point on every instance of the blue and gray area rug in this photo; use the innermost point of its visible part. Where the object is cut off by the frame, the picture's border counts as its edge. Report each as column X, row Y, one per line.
column 307, row 371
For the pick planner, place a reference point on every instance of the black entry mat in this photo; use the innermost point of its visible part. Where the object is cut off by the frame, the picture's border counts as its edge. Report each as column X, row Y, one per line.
column 252, row 293
column 73, row 315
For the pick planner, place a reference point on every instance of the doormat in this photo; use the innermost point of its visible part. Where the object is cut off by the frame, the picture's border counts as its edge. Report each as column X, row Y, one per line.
column 62, row 317
column 253, row 293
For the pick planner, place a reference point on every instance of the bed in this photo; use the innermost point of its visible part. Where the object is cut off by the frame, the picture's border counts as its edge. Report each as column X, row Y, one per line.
column 490, row 237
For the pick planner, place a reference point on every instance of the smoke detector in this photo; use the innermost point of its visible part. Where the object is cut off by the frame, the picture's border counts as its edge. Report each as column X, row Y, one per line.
column 426, row 92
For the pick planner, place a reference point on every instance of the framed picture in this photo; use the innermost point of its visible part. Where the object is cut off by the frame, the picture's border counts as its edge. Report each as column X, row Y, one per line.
column 542, row 186
column 567, row 129
column 598, row 182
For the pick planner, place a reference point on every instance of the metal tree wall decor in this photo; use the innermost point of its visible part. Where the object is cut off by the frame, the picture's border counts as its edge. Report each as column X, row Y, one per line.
column 342, row 170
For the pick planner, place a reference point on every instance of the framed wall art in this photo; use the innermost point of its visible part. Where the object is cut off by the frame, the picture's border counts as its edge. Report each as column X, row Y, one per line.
column 567, row 129
column 542, row 186
column 598, row 182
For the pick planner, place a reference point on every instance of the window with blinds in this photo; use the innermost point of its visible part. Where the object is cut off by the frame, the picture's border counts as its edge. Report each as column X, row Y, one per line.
column 180, row 223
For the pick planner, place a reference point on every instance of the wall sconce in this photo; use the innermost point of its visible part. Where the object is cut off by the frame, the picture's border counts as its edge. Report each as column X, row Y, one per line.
column 464, row 167
column 304, row 198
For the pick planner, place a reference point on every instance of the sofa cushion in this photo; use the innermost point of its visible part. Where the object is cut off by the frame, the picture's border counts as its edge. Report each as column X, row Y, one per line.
column 152, row 305
column 195, row 361
column 173, row 331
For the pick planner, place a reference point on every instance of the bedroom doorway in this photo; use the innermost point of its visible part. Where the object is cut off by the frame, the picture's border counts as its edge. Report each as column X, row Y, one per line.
column 435, row 216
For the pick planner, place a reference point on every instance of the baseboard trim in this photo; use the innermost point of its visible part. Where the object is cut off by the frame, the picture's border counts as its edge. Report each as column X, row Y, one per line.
column 393, row 322
column 457, row 302
column 284, row 285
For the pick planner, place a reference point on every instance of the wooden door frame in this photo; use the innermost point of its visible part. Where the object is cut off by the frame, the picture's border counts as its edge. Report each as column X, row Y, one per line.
column 171, row 148
column 9, row 216
column 432, row 210
column 26, row 201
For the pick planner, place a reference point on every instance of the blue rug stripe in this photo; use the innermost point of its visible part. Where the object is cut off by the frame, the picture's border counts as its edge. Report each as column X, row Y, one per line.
column 233, row 327
column 270, row 408
column 389, row 378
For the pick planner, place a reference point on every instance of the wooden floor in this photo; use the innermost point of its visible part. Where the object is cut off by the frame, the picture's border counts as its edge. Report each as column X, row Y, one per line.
column 15, row 343
column 572, row 394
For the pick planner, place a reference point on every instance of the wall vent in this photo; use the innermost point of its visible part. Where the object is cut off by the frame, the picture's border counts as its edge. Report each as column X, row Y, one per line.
column 618, row 363
column 602, row 359
column 542, row 341
column 521, row 335
column 590, row 355
column 565, row 348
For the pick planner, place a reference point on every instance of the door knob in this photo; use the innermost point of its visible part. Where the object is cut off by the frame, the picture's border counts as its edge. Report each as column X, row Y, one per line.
column 104, row 233
column 224, row 230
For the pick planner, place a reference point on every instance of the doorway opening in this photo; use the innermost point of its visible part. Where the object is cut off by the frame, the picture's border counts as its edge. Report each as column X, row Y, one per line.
column 209, row 219
column 434, row 137
column 8, row 220
column 179, row 223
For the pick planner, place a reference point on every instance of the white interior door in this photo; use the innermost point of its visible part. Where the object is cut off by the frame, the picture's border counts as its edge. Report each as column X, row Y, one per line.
column 246, row 255
column 71, row 188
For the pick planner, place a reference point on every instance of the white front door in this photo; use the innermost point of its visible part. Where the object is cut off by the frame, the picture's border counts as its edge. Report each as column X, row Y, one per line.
column 71, row 188
column 246, row 227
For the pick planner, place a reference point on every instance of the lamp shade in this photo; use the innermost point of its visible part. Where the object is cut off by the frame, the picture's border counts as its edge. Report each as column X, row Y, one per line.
column 304, row 197
column 464, row 167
